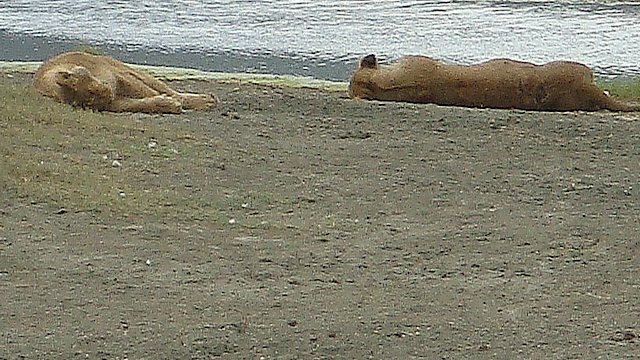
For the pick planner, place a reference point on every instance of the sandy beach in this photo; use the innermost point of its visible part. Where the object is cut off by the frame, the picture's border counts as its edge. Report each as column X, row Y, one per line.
column 295, row 223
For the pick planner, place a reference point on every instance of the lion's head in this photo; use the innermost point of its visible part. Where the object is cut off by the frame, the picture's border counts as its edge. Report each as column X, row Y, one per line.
column 359, row 84
column 84, row 90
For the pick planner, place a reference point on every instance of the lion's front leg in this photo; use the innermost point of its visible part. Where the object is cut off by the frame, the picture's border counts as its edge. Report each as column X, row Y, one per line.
column 197, row 101
column 160, row 104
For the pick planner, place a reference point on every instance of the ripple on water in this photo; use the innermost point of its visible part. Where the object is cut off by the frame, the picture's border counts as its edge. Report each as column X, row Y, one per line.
column 596, row 33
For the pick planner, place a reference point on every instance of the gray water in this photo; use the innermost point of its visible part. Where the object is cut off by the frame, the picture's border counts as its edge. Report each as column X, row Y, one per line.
column 325, row 38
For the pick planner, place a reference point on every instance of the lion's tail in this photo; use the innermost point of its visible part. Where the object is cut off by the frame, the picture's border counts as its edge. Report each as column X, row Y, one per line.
column 615, row 105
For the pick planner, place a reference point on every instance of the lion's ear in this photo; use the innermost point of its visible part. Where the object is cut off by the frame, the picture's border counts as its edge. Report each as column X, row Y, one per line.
column 369, row 61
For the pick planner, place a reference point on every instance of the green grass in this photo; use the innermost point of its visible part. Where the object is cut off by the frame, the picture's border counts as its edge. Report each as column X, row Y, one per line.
column 46, row 151
column 52, row 153
column 61, row 156
column 623, row 88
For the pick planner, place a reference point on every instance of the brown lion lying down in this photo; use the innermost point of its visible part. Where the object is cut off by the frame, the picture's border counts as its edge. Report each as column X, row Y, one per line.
column 500, row 83
column 103, row 83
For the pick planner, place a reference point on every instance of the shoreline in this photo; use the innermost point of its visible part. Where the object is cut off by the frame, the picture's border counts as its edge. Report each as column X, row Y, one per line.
column 176, row 73
column 625, row 88
column 25, row 47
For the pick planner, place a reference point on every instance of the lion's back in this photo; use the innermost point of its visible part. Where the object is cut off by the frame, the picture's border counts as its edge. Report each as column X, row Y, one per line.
column 93, row 63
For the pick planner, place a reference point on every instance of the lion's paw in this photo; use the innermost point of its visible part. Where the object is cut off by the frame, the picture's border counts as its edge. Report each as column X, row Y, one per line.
column 166, row 104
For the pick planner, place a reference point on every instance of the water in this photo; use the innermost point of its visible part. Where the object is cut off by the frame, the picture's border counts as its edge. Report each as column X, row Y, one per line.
column 325, row 38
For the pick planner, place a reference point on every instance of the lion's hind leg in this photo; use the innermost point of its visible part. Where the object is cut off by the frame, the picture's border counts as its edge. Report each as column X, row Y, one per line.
column 138, row 84
column 188, row 100
column 153, row 84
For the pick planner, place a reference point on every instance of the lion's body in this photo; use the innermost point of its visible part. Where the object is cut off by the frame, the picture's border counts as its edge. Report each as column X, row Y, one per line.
column 500, row 83
column 103, row 83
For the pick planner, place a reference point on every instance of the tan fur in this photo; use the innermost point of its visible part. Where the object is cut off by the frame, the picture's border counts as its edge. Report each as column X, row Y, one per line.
column 500, row 83
column 104, row 83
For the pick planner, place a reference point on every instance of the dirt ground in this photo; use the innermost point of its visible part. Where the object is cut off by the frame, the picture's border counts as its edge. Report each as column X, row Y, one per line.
column 298, row 224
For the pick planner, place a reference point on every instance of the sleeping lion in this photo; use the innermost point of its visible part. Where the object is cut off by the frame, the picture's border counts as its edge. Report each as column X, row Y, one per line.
column 105, row 84
column 500, row 83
